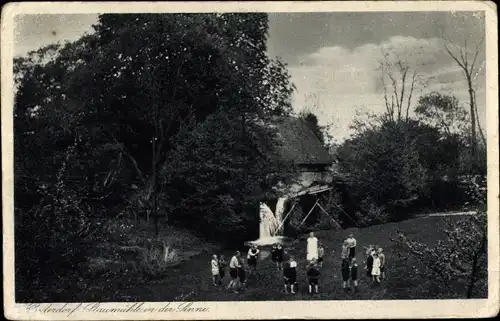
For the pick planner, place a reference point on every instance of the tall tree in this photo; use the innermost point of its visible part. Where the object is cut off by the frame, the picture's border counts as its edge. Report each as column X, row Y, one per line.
column 442, row 111
column 467, row 60
column 136, row 83
column 398, row 81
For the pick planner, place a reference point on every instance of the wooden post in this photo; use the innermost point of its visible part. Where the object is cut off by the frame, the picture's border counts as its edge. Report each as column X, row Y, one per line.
column 310, row 211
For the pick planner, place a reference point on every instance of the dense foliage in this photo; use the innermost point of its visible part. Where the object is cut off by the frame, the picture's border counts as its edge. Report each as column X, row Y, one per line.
column 395, row 168
column 123, row 121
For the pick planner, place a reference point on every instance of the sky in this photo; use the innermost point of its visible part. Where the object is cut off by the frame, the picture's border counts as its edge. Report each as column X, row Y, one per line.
column 333, row 57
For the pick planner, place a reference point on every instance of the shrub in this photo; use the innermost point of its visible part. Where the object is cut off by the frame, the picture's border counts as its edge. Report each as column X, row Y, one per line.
column 371, row 213
column 157, row 258
column 457, row 264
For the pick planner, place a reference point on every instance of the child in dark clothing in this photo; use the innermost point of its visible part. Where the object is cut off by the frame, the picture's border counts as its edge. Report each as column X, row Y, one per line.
column 369, row 261
column 280, row 252
column 290, row 275
column 313, row 276
column 346, row 271
column 222, row 268
column 321, row 254
column 242, row 275
column 354, row 274
column 274, row 254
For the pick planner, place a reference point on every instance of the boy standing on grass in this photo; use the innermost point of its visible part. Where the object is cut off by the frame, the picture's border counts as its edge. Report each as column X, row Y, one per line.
column 354, row 274
column 252, row 259
column 290, row 275
column 345, row 273
column 234, row 264
column 321, row 253
column 369, row 261
column 280, row 252
column 242, row 274
column 313, row 276
column 351, row 244
column 274, row 255
column 222, row 268
column 381, row 256
column 345, row 251
column 215, row 270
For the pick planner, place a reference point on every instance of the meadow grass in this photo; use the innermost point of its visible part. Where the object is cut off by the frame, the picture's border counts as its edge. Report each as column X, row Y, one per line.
column 191, row 280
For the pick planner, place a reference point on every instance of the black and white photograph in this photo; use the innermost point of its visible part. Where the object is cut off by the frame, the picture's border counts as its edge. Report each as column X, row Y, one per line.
column 167, row 161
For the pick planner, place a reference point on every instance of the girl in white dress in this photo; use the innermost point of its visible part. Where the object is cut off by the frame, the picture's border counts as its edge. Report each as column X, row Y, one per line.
column 376, row 268
column 312, row 248
column 214, row 264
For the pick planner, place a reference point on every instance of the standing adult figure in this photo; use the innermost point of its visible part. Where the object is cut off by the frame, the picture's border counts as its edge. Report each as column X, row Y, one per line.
column 312, row 248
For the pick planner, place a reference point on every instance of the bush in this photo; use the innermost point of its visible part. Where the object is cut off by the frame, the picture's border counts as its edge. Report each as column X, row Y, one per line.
column 371, row 214
column 157, row 258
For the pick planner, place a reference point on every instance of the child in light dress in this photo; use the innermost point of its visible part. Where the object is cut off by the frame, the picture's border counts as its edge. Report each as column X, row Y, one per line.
column 376, row 268
column 214, row 265
column 312, row 248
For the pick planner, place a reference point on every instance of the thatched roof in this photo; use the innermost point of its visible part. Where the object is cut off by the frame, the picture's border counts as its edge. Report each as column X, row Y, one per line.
column 298, row 143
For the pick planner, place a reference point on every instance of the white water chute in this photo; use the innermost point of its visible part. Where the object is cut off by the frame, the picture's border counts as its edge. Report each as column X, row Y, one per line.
column 271, row 223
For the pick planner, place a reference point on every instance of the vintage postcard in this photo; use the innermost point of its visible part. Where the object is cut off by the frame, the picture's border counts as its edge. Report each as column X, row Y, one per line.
column 250, row 160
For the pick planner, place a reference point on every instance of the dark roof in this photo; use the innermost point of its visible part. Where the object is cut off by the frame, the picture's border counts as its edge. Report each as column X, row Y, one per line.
column 298, row 143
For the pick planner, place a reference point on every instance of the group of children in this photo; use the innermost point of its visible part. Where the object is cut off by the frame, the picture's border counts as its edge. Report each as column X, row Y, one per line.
column 237, row 270
column 375, row 265
column 315, row 253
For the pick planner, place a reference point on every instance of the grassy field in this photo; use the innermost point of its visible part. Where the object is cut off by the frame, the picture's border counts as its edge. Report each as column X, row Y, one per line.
column 191, row 280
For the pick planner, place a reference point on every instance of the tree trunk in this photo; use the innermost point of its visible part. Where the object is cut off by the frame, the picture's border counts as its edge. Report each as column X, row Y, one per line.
column 473, row 141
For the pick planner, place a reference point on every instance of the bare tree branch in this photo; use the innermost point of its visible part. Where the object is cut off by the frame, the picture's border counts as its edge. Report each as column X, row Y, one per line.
column 455, row 58
column 476, row 54
column 413, row 81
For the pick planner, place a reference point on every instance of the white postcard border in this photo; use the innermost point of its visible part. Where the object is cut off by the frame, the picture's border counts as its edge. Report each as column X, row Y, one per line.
column 259, row 309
